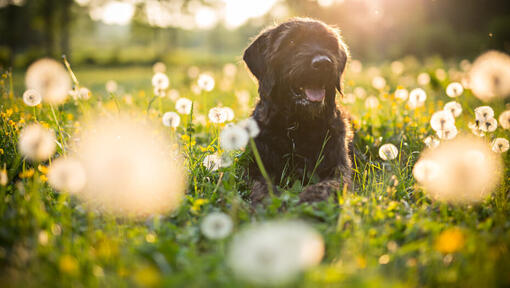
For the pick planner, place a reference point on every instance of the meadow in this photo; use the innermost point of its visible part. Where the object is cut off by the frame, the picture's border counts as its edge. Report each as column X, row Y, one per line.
column 386, row 231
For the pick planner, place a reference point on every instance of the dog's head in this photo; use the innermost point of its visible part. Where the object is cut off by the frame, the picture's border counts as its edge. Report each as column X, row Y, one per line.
column 298, row 63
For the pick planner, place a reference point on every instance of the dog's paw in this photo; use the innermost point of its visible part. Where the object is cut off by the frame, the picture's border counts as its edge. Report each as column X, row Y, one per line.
column 259, row 192
column 319, row 192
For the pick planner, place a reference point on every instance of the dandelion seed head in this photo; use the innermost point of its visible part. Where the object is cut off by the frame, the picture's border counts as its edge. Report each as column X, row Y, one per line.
column 484, row 113
column 36, row 142
column 251, row 127
column 216, row 225
column 423, row 79
column 159, row 67
column 500, row 145
column 50, row 79
column 417, row 98
column 171, row 119
column 504, row 119
column 454, row 89
column 360, row 92
column 233, row 138
column 440, row 74
column 431, row 142
column 401, row 94
column 489, row 76
column 183, row 105
column 371, row 102
column 397, row 67
column 32, row 98
column 160, row 92
column 67, row 175
column 193, row 72
column 442, row 120
column 217, row 115
column 230, row 70
column 356, row 66
column 488, row 125
column 388, row 152
column 379, row 82
column 212, row 162
column 205, row 82
column 111, row 86
column 229, row 112
column 448, row 133
column 454, row 108
column 160, row 81
column 173, row 94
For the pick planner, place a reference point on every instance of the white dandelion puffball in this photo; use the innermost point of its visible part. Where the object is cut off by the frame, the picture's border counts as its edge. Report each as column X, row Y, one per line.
column 159, row 67
column 230, row 70
column 173, row 94
column 454, row 108
column 67, row 175
column 229, row 112
column 500, row 145
column 217, row 115
column 388, row 151
column 356, row 66
column 401, row 94
column 251, row 127
column 111, row 86
column 84, row 93
column 32, row 98
column 193, row 72
column 183, row 105
column 50, row 79
column 160, row 92
column 454, row 89
column 212, row 162
column 488, row 125
column 216, row 226
column 463, row 170
column 397, row 67
column 378, row 82
column 484, row 113
column 205, row 82
column 447, row 133
column 360, row 92
column 431, row 142
column 416, row 98
column 233, row 138
column 423, row 79
column 36, row 142
column 132, row 169
column 349, row 98
column 371, row 102
column 504, row 119
column 489, row 76
column 475, row 129
column 274, row 253
column 440, row 74
column 171, row 119
column 160, row 80
column 442, row 120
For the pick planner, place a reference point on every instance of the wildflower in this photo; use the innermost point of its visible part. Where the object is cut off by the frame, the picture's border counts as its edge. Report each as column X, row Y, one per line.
column 454, row 89
column 111, row 86
column 454, row 108
column 130, row 169
column 450, row 241
column 183, row 105
column 205, row 82
column 50, row 79
column 67, row 175
column 31, row 97
column 463, row 170
column 217, row 115
column 171, row 119
column 229, row 112
column 251, row 127
column 447, row 133
column 423, row 79
column 274, row 253
column 371, row 102
column 431, row 142
column 159, row 67
column 397, row 67
column 212, row 162
column 490, row 76
column 500, row 145
column 484, row 113
column 233, row 138
column 378, row 82
column 388, row 151
column 216, row 226
column 504, row 119
column 416, row 98
column 160, row 80
column 36, row 142
column 401, row 94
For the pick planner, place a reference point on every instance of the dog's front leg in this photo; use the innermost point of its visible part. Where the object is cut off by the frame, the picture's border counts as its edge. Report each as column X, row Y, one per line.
column 325, row 188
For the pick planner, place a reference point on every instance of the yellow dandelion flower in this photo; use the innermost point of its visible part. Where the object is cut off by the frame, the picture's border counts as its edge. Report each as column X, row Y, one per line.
column 450, row 241
column 27, row 173
column 43, row 169
column 68, row 265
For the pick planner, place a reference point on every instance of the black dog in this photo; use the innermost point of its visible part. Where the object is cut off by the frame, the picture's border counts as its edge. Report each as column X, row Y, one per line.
column 299, row 64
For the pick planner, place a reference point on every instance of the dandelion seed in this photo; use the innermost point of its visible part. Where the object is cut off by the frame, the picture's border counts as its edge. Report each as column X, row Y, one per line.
column 229, row 112
column 464, row 171
column 205, row 82
column 159, row 67
column 183, row 105
column 216, row 226
column 388, row 152
column 32, row 98
column 378, row 82
column 36, row 142
column 401, row 94
column 371, row 102
column 454, row 89
column 500, row 145
column 171, row 119
column 160, row 80
column 67, row 175
column 212, row 162
column 111, row 86
column 274, row 253
column 423, row 79
column 217, row 115
column 448, row 133
column 431, row 142
column 489, row 76
column 504, row 119
column 251, row 127
column 50, row 79
column 132, row 169
column 416, row 98
column 397, row 67
column 233, row 138
column 454, row 108
column 442, row 120
column 484, row 113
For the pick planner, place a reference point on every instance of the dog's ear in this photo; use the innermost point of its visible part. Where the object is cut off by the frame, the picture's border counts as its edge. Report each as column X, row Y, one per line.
column 342, row 62
column 256, row 58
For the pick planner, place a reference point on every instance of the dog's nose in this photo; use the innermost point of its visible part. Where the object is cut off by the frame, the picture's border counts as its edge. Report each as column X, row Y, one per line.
column 321, row 62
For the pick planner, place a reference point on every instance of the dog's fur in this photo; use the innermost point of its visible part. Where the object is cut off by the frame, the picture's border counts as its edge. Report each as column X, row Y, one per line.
column 296, row 131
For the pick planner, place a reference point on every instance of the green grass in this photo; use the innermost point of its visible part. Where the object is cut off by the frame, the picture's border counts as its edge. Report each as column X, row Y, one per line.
column 48, row 239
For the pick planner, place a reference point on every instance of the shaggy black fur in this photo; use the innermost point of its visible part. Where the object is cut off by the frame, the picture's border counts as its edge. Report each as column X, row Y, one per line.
column 299, row 64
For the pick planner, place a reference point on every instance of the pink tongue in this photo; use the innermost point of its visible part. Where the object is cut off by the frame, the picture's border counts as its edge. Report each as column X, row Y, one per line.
column 315, row 94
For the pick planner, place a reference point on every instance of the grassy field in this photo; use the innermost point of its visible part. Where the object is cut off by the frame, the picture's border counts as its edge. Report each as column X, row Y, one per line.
column 386, row 232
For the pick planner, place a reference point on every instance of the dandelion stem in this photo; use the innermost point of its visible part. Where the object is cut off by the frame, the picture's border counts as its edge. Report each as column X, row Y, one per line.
column 35, row 113
column 114, row 97
column 150, row 103
column 11, row 85
column 59, row 128
column 261, row 167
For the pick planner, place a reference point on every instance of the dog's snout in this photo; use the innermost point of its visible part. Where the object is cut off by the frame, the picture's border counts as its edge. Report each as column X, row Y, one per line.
column 321, row 62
